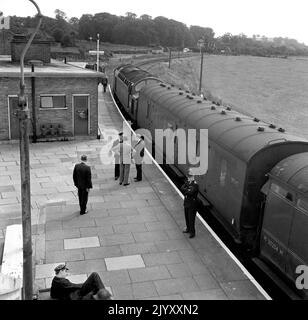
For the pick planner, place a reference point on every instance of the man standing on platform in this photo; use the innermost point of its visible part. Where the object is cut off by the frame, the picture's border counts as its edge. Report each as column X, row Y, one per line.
column 116, row 152
column 138, row 157
column 126, row 154
column 83, row 182
column 190, row 191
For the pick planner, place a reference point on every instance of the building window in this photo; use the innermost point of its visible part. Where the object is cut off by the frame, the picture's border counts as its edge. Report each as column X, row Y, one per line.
column 53, row 101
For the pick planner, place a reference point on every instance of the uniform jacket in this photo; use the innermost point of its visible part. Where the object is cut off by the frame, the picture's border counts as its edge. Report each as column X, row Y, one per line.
column 63, row 289
column 190, row 191
column 139, row 154
column 82, row 176
column 125, row 152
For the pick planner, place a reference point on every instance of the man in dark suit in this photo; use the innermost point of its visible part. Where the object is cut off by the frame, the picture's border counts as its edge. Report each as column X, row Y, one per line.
column 190, row 191
column 83, row 182
column 138, row 157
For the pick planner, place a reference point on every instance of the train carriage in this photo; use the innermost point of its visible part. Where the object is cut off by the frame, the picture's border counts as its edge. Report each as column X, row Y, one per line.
column 257, row 175
column 128, row 80
column 283, row 240
column 242, row 150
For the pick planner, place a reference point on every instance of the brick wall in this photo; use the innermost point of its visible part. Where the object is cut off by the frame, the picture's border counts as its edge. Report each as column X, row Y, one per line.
column 67, row 86
column 37, row 51
column 5, row 38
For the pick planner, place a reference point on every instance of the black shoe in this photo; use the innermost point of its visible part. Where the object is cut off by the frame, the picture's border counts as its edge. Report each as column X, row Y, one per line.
column 82, row 213
column 192, row 235
column 185, row 230
column 120, row 183
column 126, row 184
column 116, row 178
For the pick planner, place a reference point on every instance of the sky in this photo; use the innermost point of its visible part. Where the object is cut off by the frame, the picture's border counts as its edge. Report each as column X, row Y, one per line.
column 271, row 18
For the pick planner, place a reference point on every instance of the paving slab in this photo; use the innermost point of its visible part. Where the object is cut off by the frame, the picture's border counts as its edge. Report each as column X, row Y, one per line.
column 138, row 248
column 164, row 258
column 102, row 252
column 64, row 255
column 175, row 286
column 124, row 262
column 86, row 242
column 144, row 290
column 115, row 277
column 149, row 274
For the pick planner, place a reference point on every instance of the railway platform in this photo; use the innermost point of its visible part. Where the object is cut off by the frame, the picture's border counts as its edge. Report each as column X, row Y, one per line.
column 132, row 236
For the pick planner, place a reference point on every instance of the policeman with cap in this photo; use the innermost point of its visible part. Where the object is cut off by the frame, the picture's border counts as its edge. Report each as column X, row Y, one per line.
column 63, row 289
column 190, row 191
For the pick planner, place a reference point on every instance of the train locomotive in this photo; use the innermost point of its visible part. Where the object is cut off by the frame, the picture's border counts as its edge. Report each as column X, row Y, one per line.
column 257, row 177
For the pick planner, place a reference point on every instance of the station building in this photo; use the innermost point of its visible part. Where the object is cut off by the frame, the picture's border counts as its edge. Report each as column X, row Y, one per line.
column 63, row 99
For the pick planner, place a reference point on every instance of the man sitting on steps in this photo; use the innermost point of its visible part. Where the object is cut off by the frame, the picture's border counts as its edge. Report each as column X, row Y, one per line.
column 92, row 289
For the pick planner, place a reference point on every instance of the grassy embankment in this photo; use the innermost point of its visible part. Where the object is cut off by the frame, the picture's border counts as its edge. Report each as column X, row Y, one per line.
column 274, row 90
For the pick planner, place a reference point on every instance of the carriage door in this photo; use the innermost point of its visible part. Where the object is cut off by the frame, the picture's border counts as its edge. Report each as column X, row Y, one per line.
column 13, row 120
column 81, row 115
column 276, row 227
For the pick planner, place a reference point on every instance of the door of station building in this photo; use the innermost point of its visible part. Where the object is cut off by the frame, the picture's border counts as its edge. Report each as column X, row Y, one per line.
column 13, row 119
column 81, row 115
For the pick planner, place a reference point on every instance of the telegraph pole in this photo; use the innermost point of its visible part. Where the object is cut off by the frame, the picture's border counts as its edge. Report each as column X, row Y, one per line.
column 23, row 116
column 201, row 45
column 169, row 57
column 97, row 53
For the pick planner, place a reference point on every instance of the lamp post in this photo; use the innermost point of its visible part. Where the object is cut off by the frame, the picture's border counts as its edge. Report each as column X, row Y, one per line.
column 201, row 45
column 23, row 116
column 97, row 54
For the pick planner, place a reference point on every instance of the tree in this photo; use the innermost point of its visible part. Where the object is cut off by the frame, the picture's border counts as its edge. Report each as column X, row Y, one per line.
column 145, row 17
column 60, row 15
column 66, row 41
column 58, row 35
column 131, row 15
column 86, row 27
column 73, row 21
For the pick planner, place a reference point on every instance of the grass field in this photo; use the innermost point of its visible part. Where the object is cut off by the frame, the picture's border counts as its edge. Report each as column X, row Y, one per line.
column 274, row 90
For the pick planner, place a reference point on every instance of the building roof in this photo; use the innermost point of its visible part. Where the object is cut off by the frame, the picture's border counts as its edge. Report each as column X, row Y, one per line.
column 242, row 135
column 53, row 69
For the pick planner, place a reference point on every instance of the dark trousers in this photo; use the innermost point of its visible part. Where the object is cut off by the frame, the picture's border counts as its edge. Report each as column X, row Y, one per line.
column 92, row 284
column 117, row 170
column 105, row 86
column 190, row 217
column 83, row 199
column 139, row 172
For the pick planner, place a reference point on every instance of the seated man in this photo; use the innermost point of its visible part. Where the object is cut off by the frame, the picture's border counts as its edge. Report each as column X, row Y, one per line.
column 91, row 289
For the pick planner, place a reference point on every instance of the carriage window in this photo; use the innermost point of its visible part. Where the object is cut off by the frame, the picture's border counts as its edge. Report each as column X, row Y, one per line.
column 223, row 173
column 281, row 191
column 302, row 204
